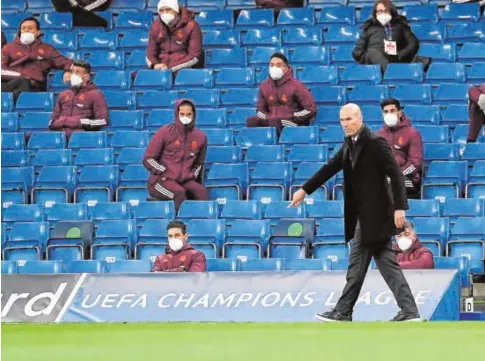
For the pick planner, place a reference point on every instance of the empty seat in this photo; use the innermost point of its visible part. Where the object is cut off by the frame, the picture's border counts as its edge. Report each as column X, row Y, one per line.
column 438, row 52
column 368, row 94
column 154, row 99
column 454, row 114
column 296, row 17
column 51, row 157
column 446, row 94
column 83, row 266
column 433, row 133
column 234, row 77
column 102, row 59
column 325, row 209
column 233, row 210
column 302, row 174
column 440, row 151
column 120, row 99
column 15, row 158
column 130, row 266
column 201, row 5
column 329, row 243
column 236, row 117
column 55, row 20
column 307, row 153
column 460, row 13
column 147, row 79
column 404, row 73
column 129, row 4
column 116, row 210
column 66, row 212
column 136, row 60
column 27, row 241
column 114, row 240
column 302, row 36
column 134, row 20
column 130, row 156
column 420, row 114
column 54, row 185
column 207, row 235
column 463, row 33
column 102, row 156
column 446, row 73
column 133, row 184
column 246, row 239
column 329, row 95
column 428, row 33
column 337, row 15
column 270, row 264
column 253, row 38
column 264, row 153
column 192, row 78
column 10, row 122
column 255, row 18
column 324, row 75
column 309, row 55
column 256, row 136
column 198, row 210
column 80, row 140
column 16, row 184
column 112, row 79
column 221, row 265
column 153, row 210
column 413, row 93
column 467, row 238
column 476, row 186
column 219, row 137
column 35, row 101
column 300, row 264
column 227, row 181
column 299, row 135
column 132, row 40
column 158, row 118
column 220, row 38
column 270, row 181
column 274, row 211
column 472, row 52
column 341, row 54
column 422, row 13
column 7, row 102
column 98, row 40
column 445, row 179
column 341, row 34
column 128, row 138
column 433, row 232
column 40, row 267
column 96, row 184
column 454, row 208
column 211, row 118
column 34, row 121
column 9, row 267
column 125, row 119
column 220, row 19
column 473, row 152
column 152, row 239
column 356, row 73
column 204, row 98
column 260, row 56
column 228, row 154
column 239, row 97
column 475, row 73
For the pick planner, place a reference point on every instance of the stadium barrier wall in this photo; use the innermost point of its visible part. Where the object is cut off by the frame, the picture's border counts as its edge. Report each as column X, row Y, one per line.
column 289, row 296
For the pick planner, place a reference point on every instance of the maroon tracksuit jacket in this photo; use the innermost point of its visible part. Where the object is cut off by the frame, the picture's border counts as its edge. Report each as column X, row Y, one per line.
column 477, row 116
column 186, row 260
column 283, row 103
column 175, row 157
column 278, row 4
column 416, row 257
column 33, row 61
column 407, row 147
column 79, row 109
column 178, row 46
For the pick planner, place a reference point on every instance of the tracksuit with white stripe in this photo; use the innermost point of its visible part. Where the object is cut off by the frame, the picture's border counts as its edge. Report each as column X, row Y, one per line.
column 407, row 147
column 175, row 157
column 283, row 103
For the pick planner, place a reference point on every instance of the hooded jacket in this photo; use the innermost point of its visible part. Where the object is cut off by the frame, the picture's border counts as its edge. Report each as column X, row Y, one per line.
column 475, row 92
column 278, row 4
column 416, row 257
column 407, row 147
column 79, row 109
column 186, row 260
column 178, row 46
column 286, row 99
column 176, row 151
column 373, row 38
column 32, row 61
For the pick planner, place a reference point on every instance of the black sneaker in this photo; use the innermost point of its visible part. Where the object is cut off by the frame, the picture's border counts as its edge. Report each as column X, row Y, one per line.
column 333, row 316
column 406, row 317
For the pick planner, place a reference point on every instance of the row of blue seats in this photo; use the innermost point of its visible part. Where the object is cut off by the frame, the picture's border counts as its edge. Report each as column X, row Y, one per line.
column 213, row 265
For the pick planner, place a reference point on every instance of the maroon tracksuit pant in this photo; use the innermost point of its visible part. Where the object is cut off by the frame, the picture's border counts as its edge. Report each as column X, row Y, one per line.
column 170, row 190
column 269, row 122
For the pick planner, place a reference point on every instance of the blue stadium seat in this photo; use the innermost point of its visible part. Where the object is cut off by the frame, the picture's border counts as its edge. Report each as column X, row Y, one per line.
column 325, row 209
column 404, row 74
column 222, row 265
column 51, row 157
column 428, row 33
column 83, row 266
column 131, row 20
column 473, row 152
column 356, row 73
column 133, row 40
column 471, row 52
column 155, row 99
column 438, row 52
column 246, row 239
column 303, row 173
column 434, row 133
column 234, row 77
column 7, row 102
column 296, row 17
column 475, row 73
column 341, row 54
column 15, row 158
column 55, row 20
column 446, row 73
column 153, row 210
column 106, row 211
column 132, row 185
column 328, row 115
column 476, row 186
column 205, row 5
column 26, row 241
column 463, row 33
column 112, row 80
column 455, row 208
column 307, row 153
column 55, row 80
column 460, row 13
column 274, row 211
column 130, row 266
column 211, row 118
column 302, row 36
column 219, row 137
column 113, row 240
column 136, row 60
column 123, row 100
column 16, row 185
column 270, row 181
column 445, row 179
column 255, row 38
column 329, row 243
column 248, row 137
column 22, row 213
column 239, row 97
column 193, row 78
column 207, row 235
column 412, row 93
column 129, row 138
column 61, row 40
column 421, row 13
column 223, row 38
column 440, row 151
column 467, row 238
column 309, row 55
column 38, row 101
column 40, row 267
column 147, row 79
column 129, row 156
column 125, row 120
column 218, row 58
column 299, row 135
column 338, row 34
column 236, row 117
column 454, row 114
column 96, row 184
column 11, row 21
column 344, row 15
column 255, row 18
column 54, row 185
column 291, row 238
column 332, row 135
column 271, row 264
column 204, row 98
column 318, row 4
column 260, row 56
column 34, row 121
column 104, row 59
column 53, row 140
column 66, row 212
column 14, row 6
column 128, row 4
column 9, row 267
column 234, row 210
column 368, row 94
column 433, row 232
column 158, row 118
column 460, row 134
column 302, row 264
column 90, row 156
column 218, row 19
column 227, row 154
column 446, row 94
column 421, row 114
column 80, row 140
column 329, row 95
column 322, row 75
column 98, row 40
column 198, row 210
column 227, row 181
column 264, row 153
column 152, row 239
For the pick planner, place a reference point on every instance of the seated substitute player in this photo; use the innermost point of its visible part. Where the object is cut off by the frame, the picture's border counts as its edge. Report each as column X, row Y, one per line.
column 410, row 253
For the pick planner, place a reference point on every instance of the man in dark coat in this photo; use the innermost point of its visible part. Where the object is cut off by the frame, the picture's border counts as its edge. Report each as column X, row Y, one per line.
column 386, row 38
column 374, row 208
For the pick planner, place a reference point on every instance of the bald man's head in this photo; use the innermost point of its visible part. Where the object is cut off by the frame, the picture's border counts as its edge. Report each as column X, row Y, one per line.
column 351, row 119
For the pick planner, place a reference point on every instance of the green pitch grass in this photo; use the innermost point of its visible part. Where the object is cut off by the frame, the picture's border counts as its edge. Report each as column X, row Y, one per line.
column 245, row 342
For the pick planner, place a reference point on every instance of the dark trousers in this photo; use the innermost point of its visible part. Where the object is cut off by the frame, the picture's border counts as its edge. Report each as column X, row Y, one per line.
column 16, row 86
column 171, row 190
column 81, row 17
column 387, row 265
column 375, row 56
column 477, row 119
column 271, row 122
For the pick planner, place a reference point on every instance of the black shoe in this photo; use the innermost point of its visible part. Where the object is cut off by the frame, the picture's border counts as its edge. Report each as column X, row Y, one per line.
column 406, row 317
column 334, row 316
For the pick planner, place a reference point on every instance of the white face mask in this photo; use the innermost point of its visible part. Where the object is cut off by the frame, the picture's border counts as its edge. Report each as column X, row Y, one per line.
column 27, row 38
column 384, row 19
column 175, row 244
column 76, row 81
column 404, row 243
column 276, row 73
column 167, row 18
column 391, row 120
column 185, row 120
